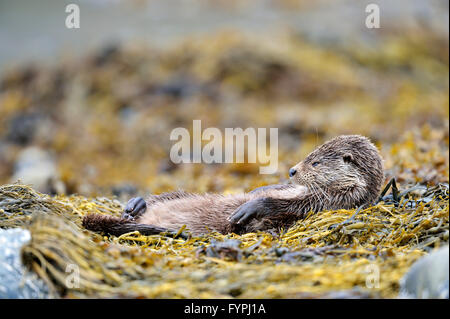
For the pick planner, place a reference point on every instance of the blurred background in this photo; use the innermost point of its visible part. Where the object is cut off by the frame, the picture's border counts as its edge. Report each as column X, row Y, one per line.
column 90, row 110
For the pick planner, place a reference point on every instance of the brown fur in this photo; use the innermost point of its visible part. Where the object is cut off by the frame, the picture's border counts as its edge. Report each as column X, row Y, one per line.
column 347, row 173
column 118, row 226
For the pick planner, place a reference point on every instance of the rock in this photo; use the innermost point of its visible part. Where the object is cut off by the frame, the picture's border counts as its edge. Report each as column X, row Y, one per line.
column 124, row 191
column 15, row 280
column 228, row 249
column 428, row 277
column 22, row 128
column 36, row 167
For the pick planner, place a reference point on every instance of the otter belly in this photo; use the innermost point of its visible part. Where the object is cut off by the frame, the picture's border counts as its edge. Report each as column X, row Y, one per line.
column 200, row 213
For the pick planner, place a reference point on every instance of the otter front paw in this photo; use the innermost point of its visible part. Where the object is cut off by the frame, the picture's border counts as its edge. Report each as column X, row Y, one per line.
column 134, row 208
column 251, row 209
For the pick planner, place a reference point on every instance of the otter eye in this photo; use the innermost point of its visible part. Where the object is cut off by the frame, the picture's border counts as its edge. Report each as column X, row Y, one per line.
column 315, row 164
column 348, row 158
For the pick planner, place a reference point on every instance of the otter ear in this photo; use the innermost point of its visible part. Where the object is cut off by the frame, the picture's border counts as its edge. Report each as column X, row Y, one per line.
column 348, row 157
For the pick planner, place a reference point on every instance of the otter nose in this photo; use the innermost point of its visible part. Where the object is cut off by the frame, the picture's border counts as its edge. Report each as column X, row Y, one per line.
column 292, row 172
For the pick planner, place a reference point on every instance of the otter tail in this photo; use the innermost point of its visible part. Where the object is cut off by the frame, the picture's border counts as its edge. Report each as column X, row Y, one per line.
column 119, row 226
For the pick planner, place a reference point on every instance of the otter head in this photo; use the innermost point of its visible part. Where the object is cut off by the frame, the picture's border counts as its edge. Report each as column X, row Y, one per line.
column 345, row 172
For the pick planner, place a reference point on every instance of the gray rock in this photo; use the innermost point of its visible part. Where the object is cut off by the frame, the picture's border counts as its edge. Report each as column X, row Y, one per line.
column 37, row 168
column 15, row 280
column 428, row 277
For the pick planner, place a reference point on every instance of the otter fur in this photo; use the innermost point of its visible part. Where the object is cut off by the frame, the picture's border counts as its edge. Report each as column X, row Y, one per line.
column 343, row 173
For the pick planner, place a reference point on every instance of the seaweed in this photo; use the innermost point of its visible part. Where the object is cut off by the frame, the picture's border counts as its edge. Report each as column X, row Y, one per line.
column 326, row 254
column 106, row 119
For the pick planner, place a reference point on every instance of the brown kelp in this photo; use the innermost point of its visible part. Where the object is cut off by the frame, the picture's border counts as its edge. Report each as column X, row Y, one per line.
column 319, row 256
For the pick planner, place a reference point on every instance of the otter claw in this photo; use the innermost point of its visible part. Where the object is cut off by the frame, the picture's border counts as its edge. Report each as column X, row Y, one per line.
column 246, row 212
column 134, row 208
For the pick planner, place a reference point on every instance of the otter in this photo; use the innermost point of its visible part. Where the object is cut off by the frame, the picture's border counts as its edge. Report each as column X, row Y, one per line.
column 343, row 173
